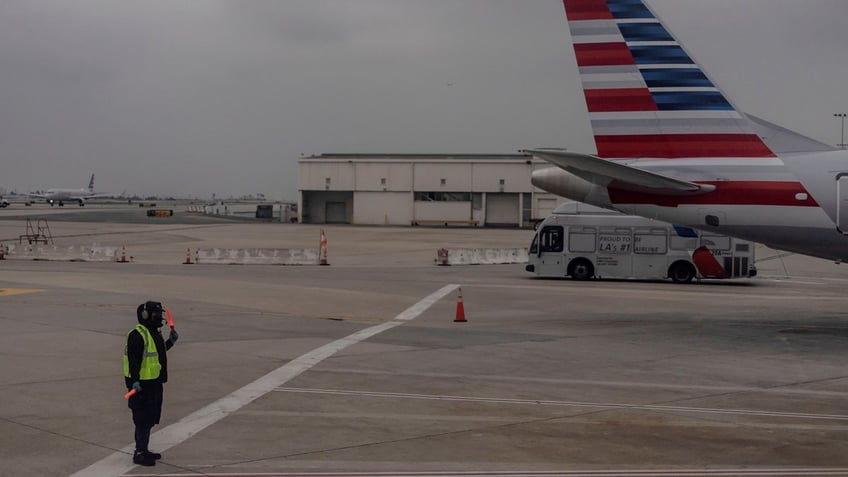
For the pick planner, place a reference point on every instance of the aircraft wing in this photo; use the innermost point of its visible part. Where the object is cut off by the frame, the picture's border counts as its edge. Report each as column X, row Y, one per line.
column 603, row 172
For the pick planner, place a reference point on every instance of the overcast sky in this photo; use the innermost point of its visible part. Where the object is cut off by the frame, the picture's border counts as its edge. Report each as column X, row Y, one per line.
column 198, row 97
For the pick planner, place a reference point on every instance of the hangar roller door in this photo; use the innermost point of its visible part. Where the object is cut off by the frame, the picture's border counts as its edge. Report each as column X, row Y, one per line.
column 502, row 209
column 336, row 213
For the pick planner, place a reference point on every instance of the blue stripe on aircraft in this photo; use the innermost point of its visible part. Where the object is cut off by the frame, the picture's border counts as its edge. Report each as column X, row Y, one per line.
column 691, row 100
column 628, row 9
column 670, row 77
column 660, row 55
column 684, row 231
column 644, row 32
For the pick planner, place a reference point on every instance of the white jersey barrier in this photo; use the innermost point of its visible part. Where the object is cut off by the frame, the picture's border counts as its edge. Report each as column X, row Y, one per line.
column 258, row 256
column 480, row 256
column 73, row 253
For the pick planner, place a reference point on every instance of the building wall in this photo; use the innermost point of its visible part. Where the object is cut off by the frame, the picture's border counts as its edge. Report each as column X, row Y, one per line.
column 382, row 208
column 516, row 177
column 314, row 177
column 429, row 176
column 396, row 177
column 379, row 189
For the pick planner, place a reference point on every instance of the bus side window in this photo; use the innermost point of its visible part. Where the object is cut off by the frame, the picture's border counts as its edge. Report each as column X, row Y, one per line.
column 534, row 245
column 651, row 241
column 551, row 239
column 581, row 240
column 677, row 242
column 716, row 242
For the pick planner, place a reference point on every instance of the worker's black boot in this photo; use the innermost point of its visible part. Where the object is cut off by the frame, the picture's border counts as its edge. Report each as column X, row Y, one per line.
column 143, row 458
column 155, row 455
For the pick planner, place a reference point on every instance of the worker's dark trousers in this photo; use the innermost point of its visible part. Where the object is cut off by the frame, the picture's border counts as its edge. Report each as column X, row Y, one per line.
column 146, row 408
column 142, row 438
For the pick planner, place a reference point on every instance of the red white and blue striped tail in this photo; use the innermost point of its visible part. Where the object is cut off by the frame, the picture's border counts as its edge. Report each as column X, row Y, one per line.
column 646, row 96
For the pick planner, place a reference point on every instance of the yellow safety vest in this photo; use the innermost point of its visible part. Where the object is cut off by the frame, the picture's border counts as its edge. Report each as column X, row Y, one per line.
column 150, row 366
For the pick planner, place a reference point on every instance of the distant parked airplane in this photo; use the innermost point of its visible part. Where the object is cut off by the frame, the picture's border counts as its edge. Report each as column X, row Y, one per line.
column 52, row 196
column 670, row 146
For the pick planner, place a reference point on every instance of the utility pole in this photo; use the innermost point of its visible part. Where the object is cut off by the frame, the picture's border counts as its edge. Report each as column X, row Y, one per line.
column 842, row 137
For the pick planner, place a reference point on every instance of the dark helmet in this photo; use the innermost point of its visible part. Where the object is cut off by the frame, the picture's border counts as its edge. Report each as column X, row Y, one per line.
column 150, row 313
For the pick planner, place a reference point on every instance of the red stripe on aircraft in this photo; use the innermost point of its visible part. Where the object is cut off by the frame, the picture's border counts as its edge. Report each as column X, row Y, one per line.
column 725, row 193
column 603, row 54
column 674, row 146
column 587, row 10
column 620, row 99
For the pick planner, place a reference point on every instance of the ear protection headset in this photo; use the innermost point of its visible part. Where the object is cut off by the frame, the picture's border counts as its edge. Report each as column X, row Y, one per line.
column 147, row 309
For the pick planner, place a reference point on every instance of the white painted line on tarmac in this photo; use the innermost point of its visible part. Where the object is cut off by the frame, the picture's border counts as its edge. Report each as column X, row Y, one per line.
column 603, row 405
column 119, row 462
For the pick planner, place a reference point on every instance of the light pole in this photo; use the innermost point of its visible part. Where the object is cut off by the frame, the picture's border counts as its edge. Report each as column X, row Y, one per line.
column 842, row 140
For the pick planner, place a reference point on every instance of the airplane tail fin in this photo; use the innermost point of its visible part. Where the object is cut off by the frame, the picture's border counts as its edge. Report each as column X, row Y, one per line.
column 646, row 97
column 91, row 184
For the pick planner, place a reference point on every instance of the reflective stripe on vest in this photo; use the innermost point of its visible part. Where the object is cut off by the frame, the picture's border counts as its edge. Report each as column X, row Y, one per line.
column 150, row 366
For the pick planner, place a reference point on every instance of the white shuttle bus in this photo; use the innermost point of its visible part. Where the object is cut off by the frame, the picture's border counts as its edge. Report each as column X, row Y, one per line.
column 582, row 242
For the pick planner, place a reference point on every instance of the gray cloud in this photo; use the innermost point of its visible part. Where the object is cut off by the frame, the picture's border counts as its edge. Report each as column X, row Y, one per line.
column 203, row 96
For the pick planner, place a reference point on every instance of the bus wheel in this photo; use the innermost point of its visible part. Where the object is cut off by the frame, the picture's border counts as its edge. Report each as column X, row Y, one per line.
column 681, row 272
column 581, row 269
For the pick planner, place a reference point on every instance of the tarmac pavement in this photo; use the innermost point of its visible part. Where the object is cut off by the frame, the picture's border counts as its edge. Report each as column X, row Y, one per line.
column 352, row 368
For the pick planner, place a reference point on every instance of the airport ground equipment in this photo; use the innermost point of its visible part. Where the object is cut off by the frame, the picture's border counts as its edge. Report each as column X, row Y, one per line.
column 160, row 212
column 583, row 242
column 323, row 249
column 40, row 233
column 460, row 309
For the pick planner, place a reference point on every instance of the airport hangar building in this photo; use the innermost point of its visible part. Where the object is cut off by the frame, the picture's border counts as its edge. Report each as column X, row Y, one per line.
column 422, row 189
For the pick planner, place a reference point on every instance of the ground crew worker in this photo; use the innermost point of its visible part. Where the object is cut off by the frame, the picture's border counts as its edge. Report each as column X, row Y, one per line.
column 146, row 370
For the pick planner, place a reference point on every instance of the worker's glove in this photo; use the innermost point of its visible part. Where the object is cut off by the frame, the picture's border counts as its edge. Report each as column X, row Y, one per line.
column 137, row 386
column 173, row 337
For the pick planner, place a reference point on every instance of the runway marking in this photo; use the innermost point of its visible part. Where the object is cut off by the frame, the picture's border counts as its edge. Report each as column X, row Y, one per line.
column 785, row 388
column 119, row 463
column 765, row 472
column 18, row 291
column 603, row 405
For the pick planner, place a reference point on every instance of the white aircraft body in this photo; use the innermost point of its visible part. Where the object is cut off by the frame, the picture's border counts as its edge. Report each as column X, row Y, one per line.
column 671, row 146
column 60, row 196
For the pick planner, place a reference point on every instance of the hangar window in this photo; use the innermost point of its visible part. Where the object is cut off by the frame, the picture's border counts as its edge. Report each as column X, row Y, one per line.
column 443, row 196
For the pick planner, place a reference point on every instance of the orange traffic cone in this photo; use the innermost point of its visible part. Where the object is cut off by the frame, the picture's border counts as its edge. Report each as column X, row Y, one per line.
column 188, row 257
column 123, row 258
column 323, row 251
column 460, row 309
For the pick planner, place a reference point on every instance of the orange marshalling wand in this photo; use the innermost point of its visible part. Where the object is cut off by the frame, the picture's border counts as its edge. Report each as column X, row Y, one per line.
column 130, row 393
column 170, row 318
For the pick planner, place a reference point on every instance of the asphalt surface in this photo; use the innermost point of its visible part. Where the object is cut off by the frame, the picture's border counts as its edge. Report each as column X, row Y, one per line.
column 359, row 367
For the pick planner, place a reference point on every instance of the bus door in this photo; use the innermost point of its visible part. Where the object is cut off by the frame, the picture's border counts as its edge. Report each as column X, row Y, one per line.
column 650, row 252
column 550, row 257
column 615, row 252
